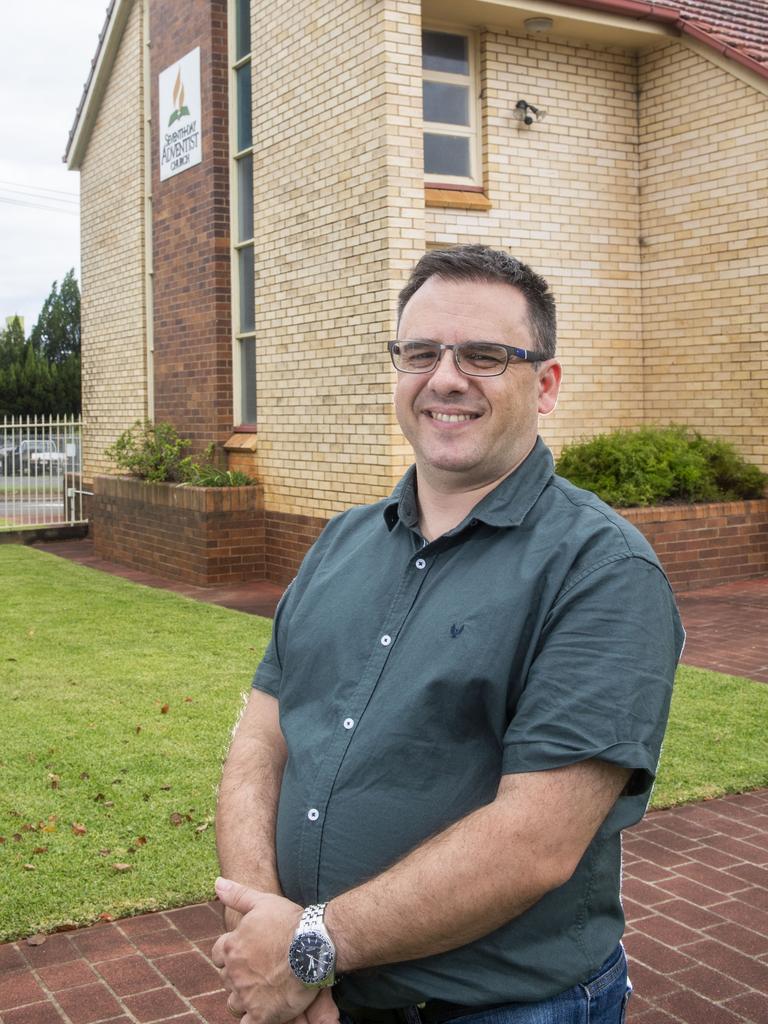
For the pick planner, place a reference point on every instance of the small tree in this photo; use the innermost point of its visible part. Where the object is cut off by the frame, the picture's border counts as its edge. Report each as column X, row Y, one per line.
column 13, row 344
column 56, row 334
column 40, row 375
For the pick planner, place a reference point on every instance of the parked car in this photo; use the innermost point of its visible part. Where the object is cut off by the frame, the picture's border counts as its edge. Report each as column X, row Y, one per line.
column 33, row 456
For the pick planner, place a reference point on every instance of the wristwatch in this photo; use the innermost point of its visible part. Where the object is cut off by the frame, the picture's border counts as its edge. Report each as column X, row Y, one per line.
column 312, row 954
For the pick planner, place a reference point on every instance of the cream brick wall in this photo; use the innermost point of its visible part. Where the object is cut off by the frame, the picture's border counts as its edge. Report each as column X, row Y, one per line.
column 564, row 194
column 113, row 259
column 339, row 215
column 704, row 223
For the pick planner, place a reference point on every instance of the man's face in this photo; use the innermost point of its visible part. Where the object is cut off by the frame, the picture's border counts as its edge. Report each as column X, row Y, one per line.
column 468, row 432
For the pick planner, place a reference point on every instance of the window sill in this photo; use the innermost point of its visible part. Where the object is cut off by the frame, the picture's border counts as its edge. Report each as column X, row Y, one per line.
column 456, row 199
column 243, row 440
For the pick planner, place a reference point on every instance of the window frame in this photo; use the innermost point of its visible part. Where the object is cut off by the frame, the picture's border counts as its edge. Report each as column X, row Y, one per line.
column 473, row 182
column 238, row 245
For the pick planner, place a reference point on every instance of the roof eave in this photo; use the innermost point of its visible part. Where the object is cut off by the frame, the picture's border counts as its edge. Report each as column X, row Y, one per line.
column 733, row 52
column 671, row 16
column 96, row 84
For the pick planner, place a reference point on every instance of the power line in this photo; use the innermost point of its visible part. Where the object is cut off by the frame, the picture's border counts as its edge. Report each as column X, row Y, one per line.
column 37, row 188
column 39, row 206
column 49, row 199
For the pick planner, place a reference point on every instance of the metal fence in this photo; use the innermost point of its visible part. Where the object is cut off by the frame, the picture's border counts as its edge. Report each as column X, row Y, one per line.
column 40, row 472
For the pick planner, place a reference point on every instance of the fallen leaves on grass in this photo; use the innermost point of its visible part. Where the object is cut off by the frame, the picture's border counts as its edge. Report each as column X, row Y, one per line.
column 29, row 867
column 40, row 849
column 55, row 780
column 141, row 840
column 165, row 709
column 78, row 828
column 121, row 867
column 176, row 819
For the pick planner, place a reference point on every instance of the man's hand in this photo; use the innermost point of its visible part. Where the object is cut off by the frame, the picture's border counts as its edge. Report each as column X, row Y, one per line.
column 254, row 961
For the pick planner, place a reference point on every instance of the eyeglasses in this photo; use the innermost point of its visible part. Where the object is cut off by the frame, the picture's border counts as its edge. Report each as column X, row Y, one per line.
column 475, row 358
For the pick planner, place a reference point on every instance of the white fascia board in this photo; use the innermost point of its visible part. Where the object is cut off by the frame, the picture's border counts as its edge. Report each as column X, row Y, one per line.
column 97, row 83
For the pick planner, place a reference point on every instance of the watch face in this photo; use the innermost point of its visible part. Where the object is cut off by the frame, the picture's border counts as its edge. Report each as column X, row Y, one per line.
column 311, row 957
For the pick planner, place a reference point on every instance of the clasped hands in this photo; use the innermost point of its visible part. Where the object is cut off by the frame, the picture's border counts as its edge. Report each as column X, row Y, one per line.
column 253, row 961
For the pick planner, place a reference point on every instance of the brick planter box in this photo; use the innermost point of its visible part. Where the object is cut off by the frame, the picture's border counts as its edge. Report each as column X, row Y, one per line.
column 702, row 545
column 202, row 535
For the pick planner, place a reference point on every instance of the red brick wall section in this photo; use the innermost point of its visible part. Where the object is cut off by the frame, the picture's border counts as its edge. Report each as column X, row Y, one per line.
column 211, row 536
column 702, row 545
column 190, row 235
column 199, row 535
column 288, row 538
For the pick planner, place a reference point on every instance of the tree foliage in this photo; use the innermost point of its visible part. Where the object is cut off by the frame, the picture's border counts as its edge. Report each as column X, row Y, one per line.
column 56, row 335
column 40, row 375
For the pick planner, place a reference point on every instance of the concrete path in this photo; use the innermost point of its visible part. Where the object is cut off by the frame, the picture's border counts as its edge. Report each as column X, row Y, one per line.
column 696, row 885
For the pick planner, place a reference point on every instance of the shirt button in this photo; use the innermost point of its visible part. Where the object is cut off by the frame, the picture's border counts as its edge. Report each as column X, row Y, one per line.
column 313, row 814
column 420, row 563
column 386, row 640
column 349, row 723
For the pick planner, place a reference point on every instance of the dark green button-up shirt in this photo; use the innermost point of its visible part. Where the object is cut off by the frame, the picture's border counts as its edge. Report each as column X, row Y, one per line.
column 539, row 632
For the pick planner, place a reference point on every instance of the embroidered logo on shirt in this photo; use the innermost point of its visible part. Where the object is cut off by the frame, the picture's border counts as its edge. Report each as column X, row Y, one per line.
column 457, row 630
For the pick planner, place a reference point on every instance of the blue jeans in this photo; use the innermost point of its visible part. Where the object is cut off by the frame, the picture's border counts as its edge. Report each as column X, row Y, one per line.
column 601, row 999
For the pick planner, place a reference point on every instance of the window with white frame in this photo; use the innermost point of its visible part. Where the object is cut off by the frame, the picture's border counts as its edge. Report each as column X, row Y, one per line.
column 450, row 103
column 241, row 201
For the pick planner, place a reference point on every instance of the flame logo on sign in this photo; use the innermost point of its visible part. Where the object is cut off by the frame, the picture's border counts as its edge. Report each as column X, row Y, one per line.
column 179, row 109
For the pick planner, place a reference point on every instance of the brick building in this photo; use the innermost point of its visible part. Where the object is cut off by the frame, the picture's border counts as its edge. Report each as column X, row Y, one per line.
column 247, row 298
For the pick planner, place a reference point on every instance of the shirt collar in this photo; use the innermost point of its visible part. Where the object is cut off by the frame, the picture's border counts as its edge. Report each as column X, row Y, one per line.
column 507, row 504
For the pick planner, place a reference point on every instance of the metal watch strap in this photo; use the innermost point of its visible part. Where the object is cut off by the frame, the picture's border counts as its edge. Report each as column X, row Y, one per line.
column 312, row 917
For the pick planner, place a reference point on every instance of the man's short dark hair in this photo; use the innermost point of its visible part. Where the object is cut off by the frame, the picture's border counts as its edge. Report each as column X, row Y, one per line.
column 480, row 263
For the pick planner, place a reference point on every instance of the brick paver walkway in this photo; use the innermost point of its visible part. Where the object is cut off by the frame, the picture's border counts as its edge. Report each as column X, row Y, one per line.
column 696, row 897
column 727, row 628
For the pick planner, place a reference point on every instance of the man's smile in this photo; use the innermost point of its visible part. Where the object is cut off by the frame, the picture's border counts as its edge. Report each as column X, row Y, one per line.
column 451, row 417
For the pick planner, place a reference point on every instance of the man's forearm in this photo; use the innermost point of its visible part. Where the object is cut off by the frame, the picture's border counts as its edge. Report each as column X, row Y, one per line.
column 478, row 874
column 248, row 796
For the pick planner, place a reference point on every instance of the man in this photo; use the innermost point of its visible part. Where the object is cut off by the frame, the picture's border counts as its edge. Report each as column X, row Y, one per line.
column 461, row 707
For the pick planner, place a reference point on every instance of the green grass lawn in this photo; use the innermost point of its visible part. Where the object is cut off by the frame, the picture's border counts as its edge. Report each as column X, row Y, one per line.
column 88, row 663
column 116, row 704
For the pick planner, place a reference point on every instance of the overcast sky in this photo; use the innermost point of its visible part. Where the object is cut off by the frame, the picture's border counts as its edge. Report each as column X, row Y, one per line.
column 47, row 51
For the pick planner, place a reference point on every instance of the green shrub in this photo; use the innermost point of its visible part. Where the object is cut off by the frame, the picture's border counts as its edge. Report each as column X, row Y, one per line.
column 153, row 452
column 150, row 451
column 207, row 474
column 660, row 464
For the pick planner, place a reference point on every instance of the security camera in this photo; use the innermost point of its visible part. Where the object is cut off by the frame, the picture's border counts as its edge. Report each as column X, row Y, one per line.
column 527, row 113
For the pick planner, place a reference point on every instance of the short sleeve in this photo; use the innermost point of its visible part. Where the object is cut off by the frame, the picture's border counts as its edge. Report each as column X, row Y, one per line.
column 601, row 680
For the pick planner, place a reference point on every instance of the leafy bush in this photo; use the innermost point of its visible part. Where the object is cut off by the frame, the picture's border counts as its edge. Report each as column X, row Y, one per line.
column 207, row 474
column 660, row 464
column 150, row 451
column 153, row 452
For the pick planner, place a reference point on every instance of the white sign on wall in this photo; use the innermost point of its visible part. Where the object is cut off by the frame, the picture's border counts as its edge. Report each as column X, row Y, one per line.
column 180, row 134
